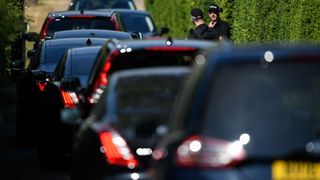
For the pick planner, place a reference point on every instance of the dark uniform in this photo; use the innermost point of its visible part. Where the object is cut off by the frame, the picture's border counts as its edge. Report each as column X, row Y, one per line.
column 222, row 28
column 204, row 32
column 198, row 32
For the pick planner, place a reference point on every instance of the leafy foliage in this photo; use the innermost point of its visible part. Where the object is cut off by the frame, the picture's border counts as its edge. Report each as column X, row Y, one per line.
column 250, row 20
column 11, row 23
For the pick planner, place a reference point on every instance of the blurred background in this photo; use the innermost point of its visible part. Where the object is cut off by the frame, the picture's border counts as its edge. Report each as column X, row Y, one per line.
column 37, row 10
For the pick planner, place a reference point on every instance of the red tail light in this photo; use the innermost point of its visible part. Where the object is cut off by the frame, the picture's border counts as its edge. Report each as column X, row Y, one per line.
column 44, row 30
column 70, row 99
column 116, row 26
column 117, row 151
column 170, row 48
column 102, row 80
column 42, row 85
column 207, row 152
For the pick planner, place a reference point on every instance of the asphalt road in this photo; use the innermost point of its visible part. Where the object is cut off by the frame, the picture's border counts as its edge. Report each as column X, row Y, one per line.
column 18, row 163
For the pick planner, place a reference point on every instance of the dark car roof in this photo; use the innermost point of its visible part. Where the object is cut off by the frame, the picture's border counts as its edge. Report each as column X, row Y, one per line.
column 63, row 14
column 94, row 33
column 253, row 52
column 149, row 43
column 129, row 11
column 75, row 41
column 259, row 54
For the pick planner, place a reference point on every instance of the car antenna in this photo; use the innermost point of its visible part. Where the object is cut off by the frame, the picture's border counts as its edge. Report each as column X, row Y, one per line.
column 169, row 41
column 89, row 42
column 81, row 12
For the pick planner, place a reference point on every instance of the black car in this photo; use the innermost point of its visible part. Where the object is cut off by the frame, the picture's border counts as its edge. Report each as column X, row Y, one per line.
column 98, row 4
column 76, row 62
column 34, row 79
column 72, row 20
column 54, row 148
column 117, row 139
column 91, row 33
column 248, row 112
column 127, row 54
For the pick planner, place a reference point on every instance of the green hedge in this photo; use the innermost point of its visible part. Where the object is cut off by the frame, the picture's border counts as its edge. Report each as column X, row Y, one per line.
column 11, row 23
column 251, row 20
column 175, row 14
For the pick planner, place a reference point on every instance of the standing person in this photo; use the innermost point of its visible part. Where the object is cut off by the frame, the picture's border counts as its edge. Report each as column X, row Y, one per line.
column 216, row 23
column 198, row 21
column 201, row 28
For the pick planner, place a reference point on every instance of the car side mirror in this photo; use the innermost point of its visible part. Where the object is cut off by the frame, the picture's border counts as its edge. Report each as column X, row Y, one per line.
column 16, row 68
column 31, row 53
column 31, row 36
column 70, row 84
column 164, row 30
column 137, row 35
column 70, row 116
column 17, row 64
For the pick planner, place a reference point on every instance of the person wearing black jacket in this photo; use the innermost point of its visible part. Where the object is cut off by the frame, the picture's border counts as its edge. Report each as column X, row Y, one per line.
column 216, row 24
column 198, row 21
column 201, row 31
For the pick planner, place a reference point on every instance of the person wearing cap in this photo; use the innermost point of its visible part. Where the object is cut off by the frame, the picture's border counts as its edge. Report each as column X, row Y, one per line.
column 216, row 23
column 202, row 30
column 198, row 21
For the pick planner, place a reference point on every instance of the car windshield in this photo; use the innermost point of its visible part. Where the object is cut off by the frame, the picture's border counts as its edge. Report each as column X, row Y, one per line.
column 79, row 23
column 137, row 22
column 278, row 106
column 104, row 4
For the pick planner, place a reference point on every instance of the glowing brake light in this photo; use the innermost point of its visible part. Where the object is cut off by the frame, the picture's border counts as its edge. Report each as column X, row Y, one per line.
column 116, row 26
column 117, row 151
column 102, row 79
column 70, row 99
column 43, row 33
column 208, row 152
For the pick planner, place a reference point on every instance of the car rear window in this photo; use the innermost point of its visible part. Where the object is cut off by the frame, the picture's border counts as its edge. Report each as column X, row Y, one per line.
column 140, row 59
column 144, row 101
column 278, row 106
column 79, row 23
column 137, row 23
